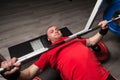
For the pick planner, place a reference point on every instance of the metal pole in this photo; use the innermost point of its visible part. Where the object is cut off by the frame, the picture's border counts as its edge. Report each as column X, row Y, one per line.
column 93, row 14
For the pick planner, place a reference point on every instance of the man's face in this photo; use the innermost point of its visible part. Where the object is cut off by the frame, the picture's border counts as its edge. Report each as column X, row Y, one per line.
column 54, row 34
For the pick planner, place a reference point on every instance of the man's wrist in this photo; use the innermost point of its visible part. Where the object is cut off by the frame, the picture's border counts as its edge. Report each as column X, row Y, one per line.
column 12, row 76
column 103, row 31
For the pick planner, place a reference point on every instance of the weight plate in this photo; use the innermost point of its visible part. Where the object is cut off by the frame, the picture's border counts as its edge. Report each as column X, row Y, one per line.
column 103, row 53
column 108, row 14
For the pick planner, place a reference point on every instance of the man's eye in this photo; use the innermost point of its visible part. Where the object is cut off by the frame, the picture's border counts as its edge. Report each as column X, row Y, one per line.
column 51, row 31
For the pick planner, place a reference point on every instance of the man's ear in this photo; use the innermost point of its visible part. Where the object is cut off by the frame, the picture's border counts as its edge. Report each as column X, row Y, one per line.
column 48, row 39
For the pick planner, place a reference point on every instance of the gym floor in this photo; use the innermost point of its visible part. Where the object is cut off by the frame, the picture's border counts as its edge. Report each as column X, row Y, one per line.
column 24, row 20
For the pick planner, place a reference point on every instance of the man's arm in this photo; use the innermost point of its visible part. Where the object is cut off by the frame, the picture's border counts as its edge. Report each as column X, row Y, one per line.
column 97, row 37
column 28, row 73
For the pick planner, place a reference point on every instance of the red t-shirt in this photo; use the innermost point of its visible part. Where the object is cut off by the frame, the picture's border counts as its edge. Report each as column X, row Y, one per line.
column 74, row 60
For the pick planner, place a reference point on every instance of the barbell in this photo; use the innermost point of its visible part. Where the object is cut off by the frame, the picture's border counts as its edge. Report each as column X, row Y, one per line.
column 42, row 50
column 112, row 9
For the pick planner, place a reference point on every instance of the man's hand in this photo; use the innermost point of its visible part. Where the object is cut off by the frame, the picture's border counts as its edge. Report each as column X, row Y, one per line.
column 104, row 27
column 103, row 24
column 10, row 66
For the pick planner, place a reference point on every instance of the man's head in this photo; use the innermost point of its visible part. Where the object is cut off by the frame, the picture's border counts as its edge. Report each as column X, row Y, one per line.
column 53, row 33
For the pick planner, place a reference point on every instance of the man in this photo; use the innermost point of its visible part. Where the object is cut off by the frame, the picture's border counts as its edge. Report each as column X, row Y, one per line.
column 74, row 59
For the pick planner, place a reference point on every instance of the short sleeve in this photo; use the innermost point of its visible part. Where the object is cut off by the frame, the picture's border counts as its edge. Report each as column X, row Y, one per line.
column 42, row 62
column 83, row 40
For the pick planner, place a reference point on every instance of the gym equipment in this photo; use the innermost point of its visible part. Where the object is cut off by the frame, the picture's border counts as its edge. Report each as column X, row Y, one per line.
column 111, row 10
column 93, row 14
column 112, row 1
column 101, row 51
column 38, row 52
